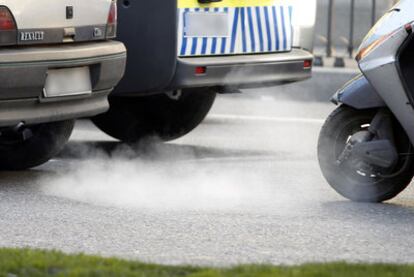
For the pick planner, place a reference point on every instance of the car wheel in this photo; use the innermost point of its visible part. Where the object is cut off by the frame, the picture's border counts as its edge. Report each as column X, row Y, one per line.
column 29, row 146
column 131, row 119
column 361, row 184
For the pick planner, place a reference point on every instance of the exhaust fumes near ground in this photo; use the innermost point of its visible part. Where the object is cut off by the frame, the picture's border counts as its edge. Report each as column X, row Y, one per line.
column 151, row 184
column 179, row 176
column 181, row 182
column 165, row 184
column 245, row 187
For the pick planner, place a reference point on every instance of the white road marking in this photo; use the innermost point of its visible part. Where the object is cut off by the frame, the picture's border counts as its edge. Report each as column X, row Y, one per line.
column 267, row 118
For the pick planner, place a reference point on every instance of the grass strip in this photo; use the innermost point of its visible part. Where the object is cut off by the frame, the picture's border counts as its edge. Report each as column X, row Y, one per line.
column 26, row 262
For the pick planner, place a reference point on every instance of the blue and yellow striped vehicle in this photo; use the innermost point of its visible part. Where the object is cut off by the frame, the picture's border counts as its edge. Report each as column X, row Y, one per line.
column 181, row 53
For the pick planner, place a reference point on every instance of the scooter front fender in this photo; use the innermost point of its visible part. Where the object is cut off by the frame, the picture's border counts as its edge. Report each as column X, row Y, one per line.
column 359, row 94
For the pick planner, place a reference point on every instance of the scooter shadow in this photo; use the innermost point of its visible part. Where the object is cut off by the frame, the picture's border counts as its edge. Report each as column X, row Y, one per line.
column 151, row 150
column 395, row 212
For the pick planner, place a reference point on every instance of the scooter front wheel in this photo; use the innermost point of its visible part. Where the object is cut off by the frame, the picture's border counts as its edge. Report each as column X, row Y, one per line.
column 361, row 184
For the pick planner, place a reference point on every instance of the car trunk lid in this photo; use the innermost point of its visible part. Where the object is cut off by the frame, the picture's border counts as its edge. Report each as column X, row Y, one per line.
column 57, row 21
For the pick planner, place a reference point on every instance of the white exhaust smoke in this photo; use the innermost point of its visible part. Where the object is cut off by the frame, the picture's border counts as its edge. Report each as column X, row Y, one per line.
column 178, row 181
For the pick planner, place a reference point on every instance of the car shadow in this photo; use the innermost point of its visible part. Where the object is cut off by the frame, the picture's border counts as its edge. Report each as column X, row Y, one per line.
column 154, row 150
column 24, row 180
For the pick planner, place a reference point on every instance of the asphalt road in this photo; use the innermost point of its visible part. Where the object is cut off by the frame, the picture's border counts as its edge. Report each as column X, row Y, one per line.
column 244, row 187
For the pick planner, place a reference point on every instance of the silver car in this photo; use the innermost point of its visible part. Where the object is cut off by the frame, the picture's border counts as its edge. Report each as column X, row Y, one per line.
column 57, row 63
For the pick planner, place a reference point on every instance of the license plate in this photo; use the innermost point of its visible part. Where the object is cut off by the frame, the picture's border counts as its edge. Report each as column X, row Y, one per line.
column 206, row 24
column 68, row 82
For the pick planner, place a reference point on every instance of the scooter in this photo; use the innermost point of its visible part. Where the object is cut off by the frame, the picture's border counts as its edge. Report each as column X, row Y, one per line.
column 365, row 147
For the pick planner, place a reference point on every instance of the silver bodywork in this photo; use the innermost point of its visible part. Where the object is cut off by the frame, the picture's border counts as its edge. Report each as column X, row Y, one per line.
column 47, row 14
column 380, row 64
column 49, row 38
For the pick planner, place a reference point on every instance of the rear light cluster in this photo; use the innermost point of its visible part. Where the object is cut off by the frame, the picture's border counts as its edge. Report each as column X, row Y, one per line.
column 200, row 70
column 307, row 64
column 112, row 21
column 8, row 28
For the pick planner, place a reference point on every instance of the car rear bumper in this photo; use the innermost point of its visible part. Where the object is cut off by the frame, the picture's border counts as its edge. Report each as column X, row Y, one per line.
column 31, row 111
column 244, row 71
column 23, row 72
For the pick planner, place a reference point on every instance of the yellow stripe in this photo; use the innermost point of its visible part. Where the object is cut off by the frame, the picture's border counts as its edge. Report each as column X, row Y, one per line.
column 228, row 3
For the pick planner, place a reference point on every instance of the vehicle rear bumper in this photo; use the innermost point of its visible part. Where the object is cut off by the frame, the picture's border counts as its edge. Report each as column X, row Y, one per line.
column 31, row 111
column 245, row 71
column 23, row 72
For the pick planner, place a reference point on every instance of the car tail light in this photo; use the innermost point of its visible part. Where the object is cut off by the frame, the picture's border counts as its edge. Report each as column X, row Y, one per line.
column 307, row 64
column 409, row 28
column 200, row 70
column 8, row 28
column 112, row 21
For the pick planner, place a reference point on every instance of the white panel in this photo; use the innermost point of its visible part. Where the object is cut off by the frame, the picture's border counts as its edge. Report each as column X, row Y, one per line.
column 206, row 24
column 68, row 81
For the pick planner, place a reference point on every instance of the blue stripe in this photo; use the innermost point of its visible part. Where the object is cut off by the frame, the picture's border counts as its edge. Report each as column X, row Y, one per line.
column 252, row 40
column 243, row 28
column 214, row 42
column 276, row 27
column 259, row 23
column 282, row 10
column 224, row 40
column 184, row 42
column 290, row 24
column 269, row 37
column 195, row 40
column 234, row 31
column 204, row 43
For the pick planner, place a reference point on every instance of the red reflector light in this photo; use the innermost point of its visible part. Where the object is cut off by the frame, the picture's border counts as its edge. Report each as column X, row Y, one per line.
column 113, row 14
column 409, row 28
column 6, row 20
column 112, row 21
column 200, row 70
column 307, row 64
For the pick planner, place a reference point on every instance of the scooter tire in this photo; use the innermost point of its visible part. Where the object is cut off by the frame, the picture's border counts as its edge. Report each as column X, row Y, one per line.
column 343, row 123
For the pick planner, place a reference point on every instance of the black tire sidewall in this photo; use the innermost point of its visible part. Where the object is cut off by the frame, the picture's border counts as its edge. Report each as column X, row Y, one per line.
column 132, row 119
column 48, row 140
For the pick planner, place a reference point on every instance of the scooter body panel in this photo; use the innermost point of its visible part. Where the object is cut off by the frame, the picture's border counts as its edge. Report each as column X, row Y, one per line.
column 359, row 94
column 393, row 92
column 381, row 65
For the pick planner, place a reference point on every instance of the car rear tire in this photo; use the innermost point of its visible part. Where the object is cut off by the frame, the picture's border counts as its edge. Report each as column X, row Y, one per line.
column 350, row 182
column 43, row 142
column 131, row 119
